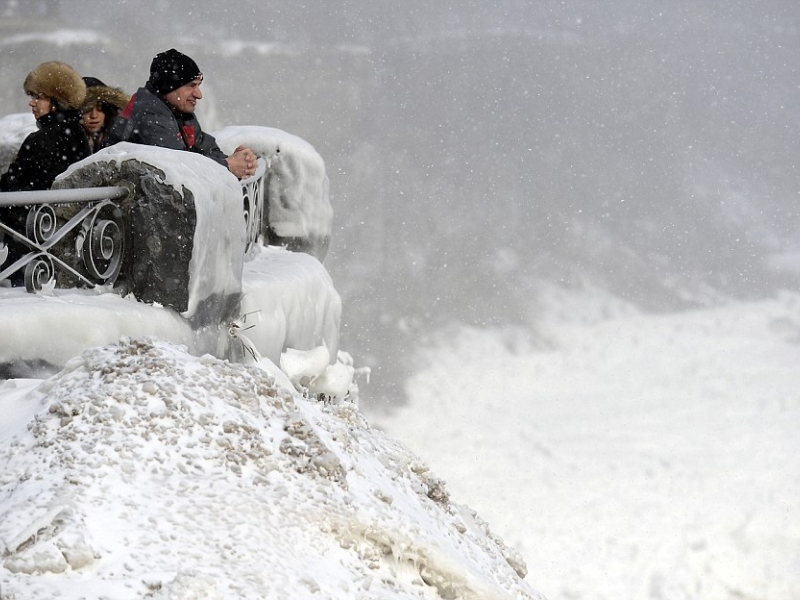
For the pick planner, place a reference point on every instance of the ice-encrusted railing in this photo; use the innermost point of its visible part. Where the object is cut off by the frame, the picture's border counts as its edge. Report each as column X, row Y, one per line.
column 81, row 232
column 253, row 203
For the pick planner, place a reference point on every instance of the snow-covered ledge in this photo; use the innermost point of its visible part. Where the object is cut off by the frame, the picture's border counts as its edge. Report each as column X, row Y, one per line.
column 187, row 259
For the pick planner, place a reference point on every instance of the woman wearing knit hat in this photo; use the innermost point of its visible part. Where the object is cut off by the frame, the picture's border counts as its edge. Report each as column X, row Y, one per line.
column 162, row 114
column 100, row 107
column 56, row 92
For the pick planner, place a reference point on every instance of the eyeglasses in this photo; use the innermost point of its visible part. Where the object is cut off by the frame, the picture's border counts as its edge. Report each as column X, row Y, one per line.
column 37, row 96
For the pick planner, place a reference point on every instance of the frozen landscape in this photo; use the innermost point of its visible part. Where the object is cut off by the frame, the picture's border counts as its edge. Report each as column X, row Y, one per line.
column 565, row 242
column 636, row 457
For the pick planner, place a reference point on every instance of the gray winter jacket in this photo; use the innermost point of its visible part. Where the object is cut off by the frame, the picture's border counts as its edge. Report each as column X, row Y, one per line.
column 148, row 119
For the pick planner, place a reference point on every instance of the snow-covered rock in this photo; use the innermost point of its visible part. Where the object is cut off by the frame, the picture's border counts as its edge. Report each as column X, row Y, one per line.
column 187, row 229
column 141, row 471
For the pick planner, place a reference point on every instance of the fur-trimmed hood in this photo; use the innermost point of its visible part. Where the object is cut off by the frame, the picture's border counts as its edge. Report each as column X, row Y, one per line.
column 57, row 81
column 103, row 94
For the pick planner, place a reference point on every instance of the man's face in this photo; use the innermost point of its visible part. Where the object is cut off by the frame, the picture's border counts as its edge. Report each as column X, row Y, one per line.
column 184, row 99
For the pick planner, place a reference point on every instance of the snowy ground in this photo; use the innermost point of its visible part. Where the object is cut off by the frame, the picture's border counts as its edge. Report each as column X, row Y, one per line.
column 640, row 457
column 140, row 471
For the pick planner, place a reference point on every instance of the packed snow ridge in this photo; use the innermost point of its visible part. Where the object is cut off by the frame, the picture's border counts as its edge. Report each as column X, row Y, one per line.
column 142, row 471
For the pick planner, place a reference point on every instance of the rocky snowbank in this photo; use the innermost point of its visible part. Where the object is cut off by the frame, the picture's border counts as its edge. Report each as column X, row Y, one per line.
column 141, row 471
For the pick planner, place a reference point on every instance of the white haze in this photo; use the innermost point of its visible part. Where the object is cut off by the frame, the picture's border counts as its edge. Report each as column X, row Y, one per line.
column 641, row 154
column 639, row 457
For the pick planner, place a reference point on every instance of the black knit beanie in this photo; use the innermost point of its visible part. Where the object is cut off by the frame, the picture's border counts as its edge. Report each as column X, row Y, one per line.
column 170, row 70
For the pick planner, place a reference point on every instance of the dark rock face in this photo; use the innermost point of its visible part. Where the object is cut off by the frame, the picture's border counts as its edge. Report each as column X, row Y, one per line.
column 160, row 230
column 162, row 226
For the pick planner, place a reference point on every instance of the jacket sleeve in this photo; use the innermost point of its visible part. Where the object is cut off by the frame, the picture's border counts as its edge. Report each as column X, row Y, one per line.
column 207, row 145
column 121, row 131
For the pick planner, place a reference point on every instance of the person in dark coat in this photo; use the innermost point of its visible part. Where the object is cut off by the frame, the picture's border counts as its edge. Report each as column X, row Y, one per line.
column 56, row 93
column 162, row 114
column 100, row 107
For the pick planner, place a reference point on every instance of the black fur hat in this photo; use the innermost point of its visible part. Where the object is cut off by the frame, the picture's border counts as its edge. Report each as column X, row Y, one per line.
column 57, row 81
column 172, row 69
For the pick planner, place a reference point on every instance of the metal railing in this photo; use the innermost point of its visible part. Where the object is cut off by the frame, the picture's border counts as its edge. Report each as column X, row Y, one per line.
column 253, row 199
column 77, row 236
column 77, row 232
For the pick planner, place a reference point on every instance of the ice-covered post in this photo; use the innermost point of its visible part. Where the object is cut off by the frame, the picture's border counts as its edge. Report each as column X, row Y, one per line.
column 297, row 212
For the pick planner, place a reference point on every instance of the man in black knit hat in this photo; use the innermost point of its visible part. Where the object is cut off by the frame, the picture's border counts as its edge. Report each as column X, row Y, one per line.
column 162, row 114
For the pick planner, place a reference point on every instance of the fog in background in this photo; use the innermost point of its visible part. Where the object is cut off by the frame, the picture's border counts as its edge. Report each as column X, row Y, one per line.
column 481, row 153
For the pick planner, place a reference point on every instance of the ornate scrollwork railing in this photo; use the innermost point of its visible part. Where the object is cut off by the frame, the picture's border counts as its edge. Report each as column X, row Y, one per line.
column 253, row 199
column 77, row 235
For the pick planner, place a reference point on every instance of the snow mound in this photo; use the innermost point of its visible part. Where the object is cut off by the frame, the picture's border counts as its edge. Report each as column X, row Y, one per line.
column 288, row 301
column 144, row 472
